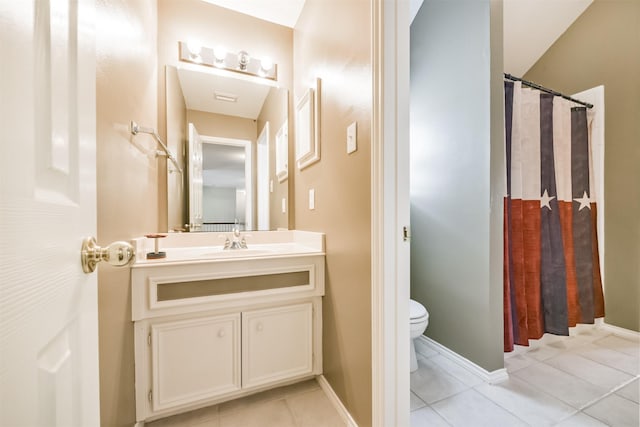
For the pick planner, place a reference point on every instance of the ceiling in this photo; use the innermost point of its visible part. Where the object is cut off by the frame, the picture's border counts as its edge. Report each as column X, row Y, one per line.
column 532, row 26
column 206, row 90
column 283, row 12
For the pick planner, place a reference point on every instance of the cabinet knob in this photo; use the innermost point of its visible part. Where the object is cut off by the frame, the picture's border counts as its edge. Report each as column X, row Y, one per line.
column 221, row 333
column 259, row 327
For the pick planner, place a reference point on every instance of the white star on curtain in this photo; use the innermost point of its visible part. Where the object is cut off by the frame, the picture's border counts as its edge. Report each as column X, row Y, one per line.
column 545, row 200
column 584, row 201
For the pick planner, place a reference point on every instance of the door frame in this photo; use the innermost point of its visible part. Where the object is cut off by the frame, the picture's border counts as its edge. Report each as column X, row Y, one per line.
column 263, row 183
column 248, row 170
column 390, row 213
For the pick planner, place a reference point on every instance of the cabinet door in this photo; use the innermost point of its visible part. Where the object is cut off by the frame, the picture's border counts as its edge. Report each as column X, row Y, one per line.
column 277, row 344
column 194, row 359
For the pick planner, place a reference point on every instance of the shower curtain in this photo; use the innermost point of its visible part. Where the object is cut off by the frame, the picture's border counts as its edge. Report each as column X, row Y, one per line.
column 551, row 265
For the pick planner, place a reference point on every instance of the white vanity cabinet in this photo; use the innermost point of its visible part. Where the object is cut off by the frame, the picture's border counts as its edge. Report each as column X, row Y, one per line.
column 213, row 331
column 277, row 344
column 193, row 359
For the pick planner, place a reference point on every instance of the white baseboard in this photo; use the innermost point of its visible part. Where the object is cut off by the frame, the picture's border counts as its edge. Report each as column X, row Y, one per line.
column 491, row 377
column 626, row 333
column 335, row 401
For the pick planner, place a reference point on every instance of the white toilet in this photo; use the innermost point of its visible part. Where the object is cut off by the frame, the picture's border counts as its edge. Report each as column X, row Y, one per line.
column 419, row 319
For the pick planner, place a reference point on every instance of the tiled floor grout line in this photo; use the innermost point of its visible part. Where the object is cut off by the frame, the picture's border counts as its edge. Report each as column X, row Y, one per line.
column 561, row 351
column 598, row 399
column 593, row 401
column 586, row 405
column 609, row 393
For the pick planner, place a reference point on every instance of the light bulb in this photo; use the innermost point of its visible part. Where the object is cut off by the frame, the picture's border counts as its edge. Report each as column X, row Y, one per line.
column 194, row 47
column 266, row 63
column 220, row 52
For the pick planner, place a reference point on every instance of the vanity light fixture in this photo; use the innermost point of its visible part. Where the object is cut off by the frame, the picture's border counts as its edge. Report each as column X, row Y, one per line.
column 241, row 62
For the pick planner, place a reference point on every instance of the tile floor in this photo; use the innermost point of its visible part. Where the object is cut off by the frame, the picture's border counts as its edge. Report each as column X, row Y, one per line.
column 299, row 405
column 590, row 378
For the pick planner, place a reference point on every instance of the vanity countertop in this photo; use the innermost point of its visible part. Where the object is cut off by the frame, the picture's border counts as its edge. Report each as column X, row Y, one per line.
column 183, row 248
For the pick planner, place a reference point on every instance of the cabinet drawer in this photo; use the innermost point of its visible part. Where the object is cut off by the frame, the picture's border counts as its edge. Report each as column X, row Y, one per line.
column 277, row 343
column 194, row 359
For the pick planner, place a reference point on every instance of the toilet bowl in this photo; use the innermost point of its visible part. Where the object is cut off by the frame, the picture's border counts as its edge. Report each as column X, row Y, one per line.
column 419, row 319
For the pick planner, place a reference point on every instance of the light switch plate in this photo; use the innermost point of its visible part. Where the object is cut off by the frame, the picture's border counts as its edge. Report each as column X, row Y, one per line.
column 312, row 199
column 284, row 205
column 270, row 186
column 352, row 138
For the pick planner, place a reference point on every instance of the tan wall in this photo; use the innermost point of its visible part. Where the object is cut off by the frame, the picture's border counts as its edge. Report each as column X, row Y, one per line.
column 602, row 48
column 336, row 47
column 221, row 126
column 182, row 20
column 275, row 112
column 127, row 188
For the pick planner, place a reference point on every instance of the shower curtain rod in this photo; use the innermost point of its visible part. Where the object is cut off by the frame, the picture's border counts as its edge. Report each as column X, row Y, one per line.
column 544, row 89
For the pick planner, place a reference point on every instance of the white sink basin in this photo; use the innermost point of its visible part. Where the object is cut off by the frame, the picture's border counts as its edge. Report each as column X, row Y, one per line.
column 238, row 253
column 199, row 247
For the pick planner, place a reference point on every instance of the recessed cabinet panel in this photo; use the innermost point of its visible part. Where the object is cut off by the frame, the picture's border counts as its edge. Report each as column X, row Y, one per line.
column 194, row 359
column 277, row 343
column 232, row 285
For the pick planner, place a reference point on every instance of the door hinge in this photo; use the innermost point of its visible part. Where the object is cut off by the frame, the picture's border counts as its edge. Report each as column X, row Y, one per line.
column 150, row 396
column 149, row 339
column 406, row 235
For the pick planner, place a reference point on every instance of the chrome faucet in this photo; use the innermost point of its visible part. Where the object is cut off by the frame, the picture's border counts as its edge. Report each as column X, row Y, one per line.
column 237, row 241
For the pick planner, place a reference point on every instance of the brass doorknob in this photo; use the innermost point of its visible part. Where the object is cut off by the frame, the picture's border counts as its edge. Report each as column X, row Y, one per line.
column 117, row 254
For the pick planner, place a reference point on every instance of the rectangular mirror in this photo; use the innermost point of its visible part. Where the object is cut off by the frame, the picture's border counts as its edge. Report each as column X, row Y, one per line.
column 236, row 151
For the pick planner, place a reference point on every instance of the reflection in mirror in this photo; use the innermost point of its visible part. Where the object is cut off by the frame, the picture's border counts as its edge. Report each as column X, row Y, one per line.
column 220, row 177
column 236, row 131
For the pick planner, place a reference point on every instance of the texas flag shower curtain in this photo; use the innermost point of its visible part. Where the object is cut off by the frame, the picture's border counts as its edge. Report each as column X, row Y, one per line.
column 551, row 265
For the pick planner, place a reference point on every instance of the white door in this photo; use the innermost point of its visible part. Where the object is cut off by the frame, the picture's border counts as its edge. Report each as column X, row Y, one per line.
column 195, row 179
column 262, row 178
column 48, row 306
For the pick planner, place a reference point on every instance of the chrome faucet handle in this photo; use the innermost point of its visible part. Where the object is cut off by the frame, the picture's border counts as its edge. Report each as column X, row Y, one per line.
column 227, row 242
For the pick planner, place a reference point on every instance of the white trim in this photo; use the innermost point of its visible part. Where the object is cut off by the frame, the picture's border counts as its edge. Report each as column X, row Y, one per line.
column 335, row 401
column 307, row 129
column 389, row 155
column 262, row 179
column 622, row 332
column 491, row 377
column 139, row 424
